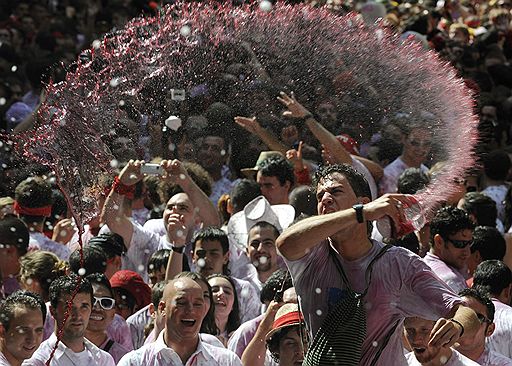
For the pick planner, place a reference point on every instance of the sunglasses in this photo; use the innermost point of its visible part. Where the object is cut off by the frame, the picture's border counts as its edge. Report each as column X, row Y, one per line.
column 106, row 303
column 460, row 244
column 483, row 319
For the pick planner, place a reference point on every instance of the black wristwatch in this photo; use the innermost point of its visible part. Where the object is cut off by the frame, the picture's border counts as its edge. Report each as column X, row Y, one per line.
column 359, row 212
column 178, row 249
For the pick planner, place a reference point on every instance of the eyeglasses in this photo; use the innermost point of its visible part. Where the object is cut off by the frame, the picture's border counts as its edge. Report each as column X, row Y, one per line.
column 460, row 244
column 483, row 319
column 106, row 303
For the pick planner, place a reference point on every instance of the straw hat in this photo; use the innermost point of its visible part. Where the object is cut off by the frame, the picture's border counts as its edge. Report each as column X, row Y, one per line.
column 288, row 315
column 251, row 172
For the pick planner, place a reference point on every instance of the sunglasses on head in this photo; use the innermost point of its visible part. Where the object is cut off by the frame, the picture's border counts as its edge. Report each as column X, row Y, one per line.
column 460, row 244
column 106, row 303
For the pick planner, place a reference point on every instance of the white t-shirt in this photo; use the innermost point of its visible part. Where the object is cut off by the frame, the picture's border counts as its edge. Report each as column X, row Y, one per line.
column 456, row 359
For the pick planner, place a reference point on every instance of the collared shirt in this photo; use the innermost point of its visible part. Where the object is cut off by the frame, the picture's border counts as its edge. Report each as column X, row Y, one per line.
column 137, row 322
column 158, row 354
column 498, row 195
column 491, row 358
column 499, row 341
column 116, row 350
column 248, row 299
column 220, row 187
column 450, row 275
column 456, row 359
column 40, row 242
column 241, row 338
column 388, row 183
column 3, row 360
column 64, row 356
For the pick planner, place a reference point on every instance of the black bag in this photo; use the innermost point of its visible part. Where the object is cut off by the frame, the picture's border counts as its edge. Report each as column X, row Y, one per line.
column 339, row 339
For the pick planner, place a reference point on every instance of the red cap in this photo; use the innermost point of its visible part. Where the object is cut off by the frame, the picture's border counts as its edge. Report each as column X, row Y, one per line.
column 134, row 284
column 348, row 143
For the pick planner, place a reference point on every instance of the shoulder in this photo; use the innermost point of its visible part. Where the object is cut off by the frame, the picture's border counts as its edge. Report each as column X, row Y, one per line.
column 222, row 355
column 133, row 358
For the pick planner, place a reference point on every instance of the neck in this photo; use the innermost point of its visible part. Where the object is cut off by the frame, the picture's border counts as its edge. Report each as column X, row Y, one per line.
column 182, row 348
column 74, row 344
column 352, row 247
column 10, row 358
column 409, row 162
column 263, row 276
column 474, row 353
column 441, row 358
column 96, row 337
column 221, row 322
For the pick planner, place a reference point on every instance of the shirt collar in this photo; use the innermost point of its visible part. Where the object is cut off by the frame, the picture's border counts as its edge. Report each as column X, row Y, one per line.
column 62, row 348
column 160, row 347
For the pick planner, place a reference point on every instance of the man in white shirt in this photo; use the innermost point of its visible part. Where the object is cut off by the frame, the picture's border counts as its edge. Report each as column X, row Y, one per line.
column 179, row 342
column 71, row 314
column 474, row 347
column 21, row 327
column 417, row 332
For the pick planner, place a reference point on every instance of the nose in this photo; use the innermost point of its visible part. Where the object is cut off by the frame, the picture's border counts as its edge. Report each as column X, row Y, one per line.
column 326, row 198
column 260, row 247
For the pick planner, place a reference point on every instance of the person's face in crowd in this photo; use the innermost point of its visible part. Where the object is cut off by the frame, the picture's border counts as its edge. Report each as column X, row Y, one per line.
column 9, row 260
column 5, row 36
column 206, row 296
column 79, row 313
column 183, row 304
column 223, row 296
column 124, row 149
column 24, row 335
column 291, row 350
column 334, row 193
column 454, row 254
column 470, row 342
column 180, row 204
column 416, row 146
column 103, row 309
column 417, row 332
column 271, row 188
column 156, row 275
column 328, row 114
column 209, row 251
column 212, row 153
column 113, row 265
column 33, row 285
column 123, row 307
column 261, row 248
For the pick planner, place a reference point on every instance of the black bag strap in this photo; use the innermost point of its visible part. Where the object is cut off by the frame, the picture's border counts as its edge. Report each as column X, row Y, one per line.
column 384, row 344
column 369, row 269
column 108, row 346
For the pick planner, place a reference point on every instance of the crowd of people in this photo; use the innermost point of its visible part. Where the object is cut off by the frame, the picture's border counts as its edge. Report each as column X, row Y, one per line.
column 248, row 235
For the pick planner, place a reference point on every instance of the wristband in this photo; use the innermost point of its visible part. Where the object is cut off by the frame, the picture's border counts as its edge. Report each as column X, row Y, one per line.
column 178, row 249
column 122, row 189
column 461, row 326
column 307, row 116
column 359, row 212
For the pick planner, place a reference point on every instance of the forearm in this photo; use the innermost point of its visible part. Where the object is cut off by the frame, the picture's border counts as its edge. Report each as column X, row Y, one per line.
column 298, row 239
column 254, row 354
column 375, row 169
column 467, row 317
column 206, row 210
column 272, row 142
column 329, row 141
column 174, row 265
column 113, row 216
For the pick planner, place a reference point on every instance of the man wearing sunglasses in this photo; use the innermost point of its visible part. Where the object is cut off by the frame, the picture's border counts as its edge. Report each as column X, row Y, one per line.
column 474, row 346
column 451, row 237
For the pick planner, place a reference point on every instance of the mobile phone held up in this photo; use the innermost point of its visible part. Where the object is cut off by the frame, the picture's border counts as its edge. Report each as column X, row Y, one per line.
column 151, row 169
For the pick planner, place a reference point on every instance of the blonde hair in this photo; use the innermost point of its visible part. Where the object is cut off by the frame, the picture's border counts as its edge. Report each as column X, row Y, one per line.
column 43, row 267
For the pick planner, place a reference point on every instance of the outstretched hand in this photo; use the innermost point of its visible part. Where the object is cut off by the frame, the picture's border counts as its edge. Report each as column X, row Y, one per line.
column 250, row 124
column 295, row 157
column 295, row 109
column 131, row 172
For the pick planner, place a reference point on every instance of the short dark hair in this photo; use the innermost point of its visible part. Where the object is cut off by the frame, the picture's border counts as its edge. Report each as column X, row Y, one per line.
column 496, row 164
column 208, row 326
column 158, row 259
column 489, row 242
column 95, row 260
column 14, row 232
column 492, row 276
column 276, row 284
column 234, row 316
column 157, row 292
column 19, row 299
column 279, row 167
column 448, row 221
column 212, row 233
column 243, row 192
column 273, row 342
column 197, row 173
column 68, row 285
column 265, row 225
column 411, row 181
column 33, row 192
column 111, row 244
column 482, row 207
column 100, row 279
column 356, row 180
column 482, row 298
column 303, row 200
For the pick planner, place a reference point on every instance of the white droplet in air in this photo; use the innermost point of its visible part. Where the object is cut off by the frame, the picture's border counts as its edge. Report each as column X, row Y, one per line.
column 81, row 272
column 29, row 281
column 223, row 152
column 443, row 360
column 182, row 176
column 96, row 43
column 263, row 259
column 171, row 147
column 121, row 103
column 319, row 312
column 114, row 82
column 3, row 101
column 62, row 122
column 201, row 262
column 114, row 163
column 151, row 267
column 367, row 306
column 14, row 68
column 318, row 290
column 133, row 176
column 265, row 6
column 63, row 233
column 173, row 122
column 245, row 292
column 180, row 233
column 4, row 166
column 13, row 229
column 375, row 344
column 185, row 30
column 115, row 207
column 140, row 268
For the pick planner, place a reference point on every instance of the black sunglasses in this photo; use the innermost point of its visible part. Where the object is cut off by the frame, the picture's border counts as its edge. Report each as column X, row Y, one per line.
column 460, row 244
column 483, row 319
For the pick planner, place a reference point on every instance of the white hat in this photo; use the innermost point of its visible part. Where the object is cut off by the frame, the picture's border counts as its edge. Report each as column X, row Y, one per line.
column 259, row 209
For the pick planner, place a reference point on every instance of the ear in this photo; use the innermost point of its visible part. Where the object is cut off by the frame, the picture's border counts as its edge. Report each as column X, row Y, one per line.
column 226, row 258
column 152, row 309
column 287, row 185
column 3, row 332
column 438, row 241
column 229, row 206
column 161, row 307
column 490, row 330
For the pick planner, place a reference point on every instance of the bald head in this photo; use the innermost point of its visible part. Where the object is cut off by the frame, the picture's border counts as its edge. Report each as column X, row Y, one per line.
column 180, row 285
